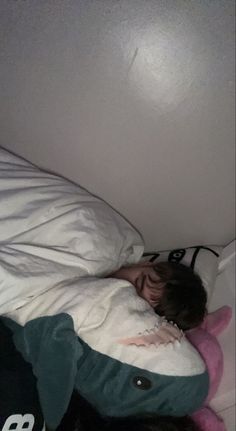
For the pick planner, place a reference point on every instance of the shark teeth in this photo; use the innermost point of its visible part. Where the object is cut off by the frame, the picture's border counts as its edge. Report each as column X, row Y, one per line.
column 163, row 332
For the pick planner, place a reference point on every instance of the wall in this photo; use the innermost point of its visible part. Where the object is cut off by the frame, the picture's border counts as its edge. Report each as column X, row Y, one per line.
column 133, row 99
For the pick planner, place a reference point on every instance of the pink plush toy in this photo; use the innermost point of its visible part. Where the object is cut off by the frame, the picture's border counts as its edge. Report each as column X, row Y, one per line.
column 204, row 340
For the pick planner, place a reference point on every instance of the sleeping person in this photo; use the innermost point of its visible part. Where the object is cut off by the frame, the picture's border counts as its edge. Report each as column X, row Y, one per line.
column 174, row 290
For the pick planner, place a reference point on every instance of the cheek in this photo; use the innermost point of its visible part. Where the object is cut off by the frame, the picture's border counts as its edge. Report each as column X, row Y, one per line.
column 146, row 294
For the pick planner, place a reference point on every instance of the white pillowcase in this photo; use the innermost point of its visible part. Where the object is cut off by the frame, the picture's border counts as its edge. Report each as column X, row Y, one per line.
column 203, row 260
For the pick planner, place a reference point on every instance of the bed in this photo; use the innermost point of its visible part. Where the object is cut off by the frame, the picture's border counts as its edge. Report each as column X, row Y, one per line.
column 54, row 234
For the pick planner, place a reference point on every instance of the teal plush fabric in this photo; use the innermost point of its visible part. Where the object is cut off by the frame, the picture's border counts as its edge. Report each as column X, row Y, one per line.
column 110, row 386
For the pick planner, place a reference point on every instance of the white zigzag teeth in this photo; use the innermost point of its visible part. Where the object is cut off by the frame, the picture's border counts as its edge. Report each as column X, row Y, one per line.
column 162, row 333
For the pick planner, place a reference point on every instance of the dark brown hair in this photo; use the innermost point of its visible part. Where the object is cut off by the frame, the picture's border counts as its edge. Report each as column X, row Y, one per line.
column 183, row 298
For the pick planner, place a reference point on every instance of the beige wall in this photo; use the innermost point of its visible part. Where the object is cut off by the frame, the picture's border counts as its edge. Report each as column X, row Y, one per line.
column 134, row 100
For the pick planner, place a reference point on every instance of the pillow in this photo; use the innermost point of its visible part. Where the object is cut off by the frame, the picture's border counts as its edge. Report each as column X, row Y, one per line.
column 46, row 210
column 52, row 230
column 203, row 260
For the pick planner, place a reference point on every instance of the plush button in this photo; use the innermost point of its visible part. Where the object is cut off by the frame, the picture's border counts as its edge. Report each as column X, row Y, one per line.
column 142, row 382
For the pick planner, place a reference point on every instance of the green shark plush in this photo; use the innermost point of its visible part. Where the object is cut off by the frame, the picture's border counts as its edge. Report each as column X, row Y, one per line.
column 98, row 337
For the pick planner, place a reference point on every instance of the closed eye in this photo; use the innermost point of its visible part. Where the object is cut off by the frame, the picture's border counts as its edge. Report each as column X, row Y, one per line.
column 140, row 282
column 152, row 282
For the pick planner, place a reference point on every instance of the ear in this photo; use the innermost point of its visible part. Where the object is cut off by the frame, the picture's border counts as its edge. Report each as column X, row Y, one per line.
column 52, row 347
column 164, row 334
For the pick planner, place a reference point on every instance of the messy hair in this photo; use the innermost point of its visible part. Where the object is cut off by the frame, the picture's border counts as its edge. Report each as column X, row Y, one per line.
column 183, row 298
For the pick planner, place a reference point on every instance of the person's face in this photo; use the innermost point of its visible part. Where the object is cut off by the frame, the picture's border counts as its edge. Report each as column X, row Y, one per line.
column 145, row 280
